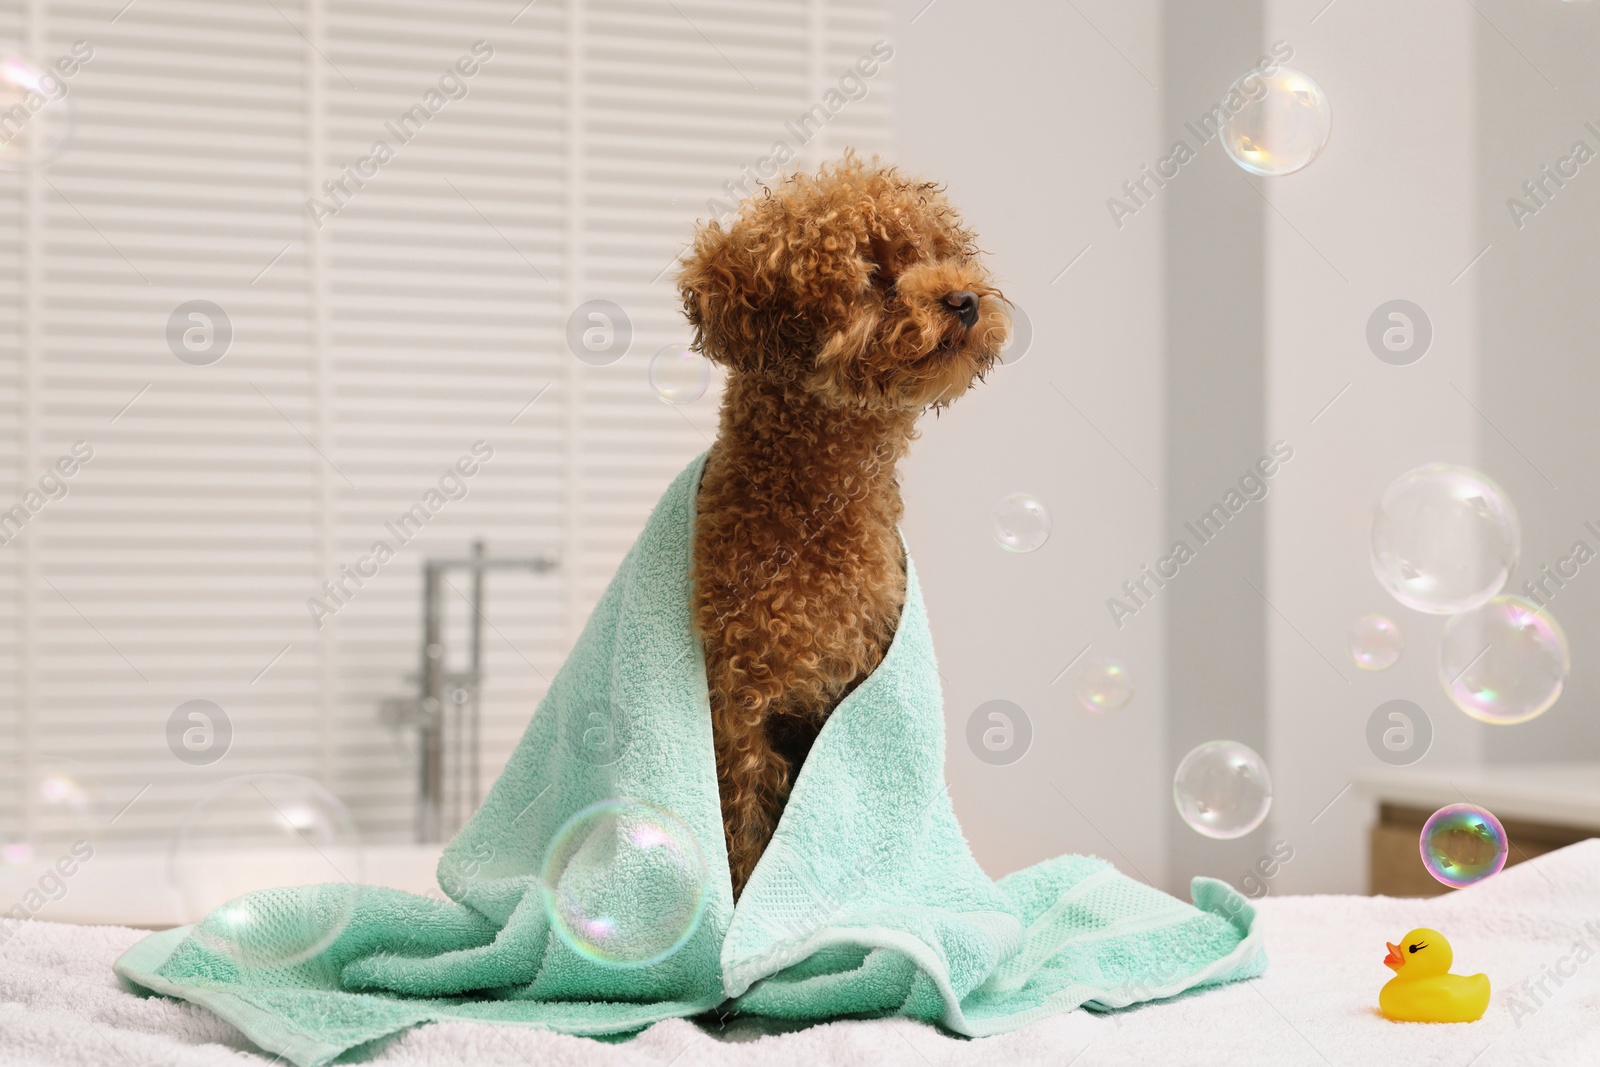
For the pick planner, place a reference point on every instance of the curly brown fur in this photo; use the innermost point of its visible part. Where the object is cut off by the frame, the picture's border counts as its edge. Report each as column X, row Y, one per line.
column 834, row 303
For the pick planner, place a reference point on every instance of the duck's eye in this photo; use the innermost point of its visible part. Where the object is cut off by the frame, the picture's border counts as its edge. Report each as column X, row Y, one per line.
column 1419, row 944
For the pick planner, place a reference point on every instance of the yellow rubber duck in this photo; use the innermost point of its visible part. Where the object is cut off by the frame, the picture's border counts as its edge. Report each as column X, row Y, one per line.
column 1423, row 990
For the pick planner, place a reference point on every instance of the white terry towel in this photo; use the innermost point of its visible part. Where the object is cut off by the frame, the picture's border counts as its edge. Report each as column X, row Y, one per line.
column 1317, row 1005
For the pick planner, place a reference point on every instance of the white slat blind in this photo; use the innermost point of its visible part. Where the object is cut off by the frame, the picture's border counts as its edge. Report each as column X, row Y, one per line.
column 374, row 340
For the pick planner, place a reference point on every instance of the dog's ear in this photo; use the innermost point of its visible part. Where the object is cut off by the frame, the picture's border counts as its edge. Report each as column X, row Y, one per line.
column 735, row 285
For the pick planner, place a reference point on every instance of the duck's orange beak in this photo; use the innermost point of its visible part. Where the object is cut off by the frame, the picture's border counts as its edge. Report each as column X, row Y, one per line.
column 1393, row 959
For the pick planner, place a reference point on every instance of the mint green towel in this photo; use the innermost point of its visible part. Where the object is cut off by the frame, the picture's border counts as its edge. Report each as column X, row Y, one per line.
column 867, row 902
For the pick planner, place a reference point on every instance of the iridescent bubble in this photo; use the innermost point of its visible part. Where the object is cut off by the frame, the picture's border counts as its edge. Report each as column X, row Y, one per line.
column 1505, row 662
column 1375, row 643
column 1462, row 844
column 39, row 114
column 1105, row 685
column 1444, row 539
column 679, row 375
column 1283, row 125
column 603, row 861
column 271, row 865
column 45, row 808
column 1222, row 789
column 1021, row 523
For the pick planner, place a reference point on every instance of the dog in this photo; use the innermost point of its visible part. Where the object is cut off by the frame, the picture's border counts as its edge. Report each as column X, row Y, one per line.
column 842, row 305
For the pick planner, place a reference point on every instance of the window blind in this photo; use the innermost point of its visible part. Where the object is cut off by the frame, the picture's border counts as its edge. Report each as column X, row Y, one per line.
column 384, row 312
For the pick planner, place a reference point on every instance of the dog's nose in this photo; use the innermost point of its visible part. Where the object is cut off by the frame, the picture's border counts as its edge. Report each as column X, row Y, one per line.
column 964, row 304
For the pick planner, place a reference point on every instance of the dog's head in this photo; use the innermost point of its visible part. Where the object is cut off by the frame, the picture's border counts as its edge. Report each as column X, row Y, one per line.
column 859, row 284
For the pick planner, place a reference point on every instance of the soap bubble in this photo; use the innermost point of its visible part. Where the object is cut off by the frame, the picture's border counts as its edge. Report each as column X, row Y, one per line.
column 1222, row 789
column 608, row 858
column 1105, row 685
column 1021, row 523
column 1462, row 844
column 240, row 849
column 39, row 114
column 1283, row 128
column 679, row 375
column 1375, row 643
column 1444, row 539
column 45, row 808
column 1505, row 662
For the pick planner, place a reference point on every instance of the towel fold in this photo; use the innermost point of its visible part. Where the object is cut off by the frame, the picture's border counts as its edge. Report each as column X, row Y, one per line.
column 867, row 901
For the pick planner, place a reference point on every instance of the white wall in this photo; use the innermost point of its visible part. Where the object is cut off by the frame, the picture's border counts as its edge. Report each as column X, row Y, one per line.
column 1391, row 206
column 1041, row 123
column 1034, row 120
column 1538, row 319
